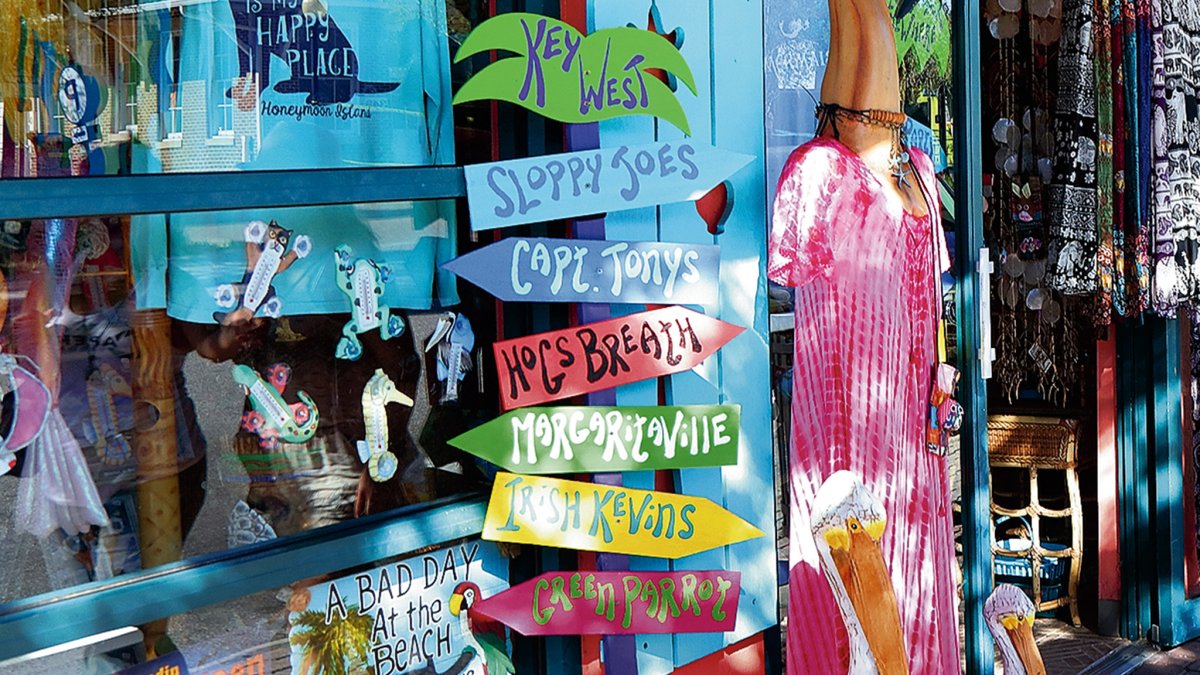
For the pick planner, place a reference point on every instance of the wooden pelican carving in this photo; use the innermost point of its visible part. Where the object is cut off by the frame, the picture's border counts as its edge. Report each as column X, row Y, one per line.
column 1009, row 614
column 863, row 74
column 847, row 524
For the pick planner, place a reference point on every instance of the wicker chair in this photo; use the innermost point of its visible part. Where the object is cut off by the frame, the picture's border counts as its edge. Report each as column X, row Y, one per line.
column 1033, row 444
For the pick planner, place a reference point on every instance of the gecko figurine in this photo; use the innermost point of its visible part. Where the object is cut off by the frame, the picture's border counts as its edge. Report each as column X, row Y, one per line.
column 270, row 417
column 379, row 391
column 267, row 256
column 362, row 281
column 103, row 428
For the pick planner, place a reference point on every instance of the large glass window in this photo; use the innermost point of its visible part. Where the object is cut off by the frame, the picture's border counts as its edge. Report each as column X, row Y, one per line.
column 179, row 384
column 103, row 87
column 176, row 385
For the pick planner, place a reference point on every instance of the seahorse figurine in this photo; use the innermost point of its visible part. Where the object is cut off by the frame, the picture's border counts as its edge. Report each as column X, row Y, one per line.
column 270, row 417
column 362, row 281
column 103, row 428
column 379, row 391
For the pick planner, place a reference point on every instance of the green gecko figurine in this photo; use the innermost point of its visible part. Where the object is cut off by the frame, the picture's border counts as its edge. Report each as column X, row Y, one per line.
column 362, row 281
column 270, row 417
column 379, row 391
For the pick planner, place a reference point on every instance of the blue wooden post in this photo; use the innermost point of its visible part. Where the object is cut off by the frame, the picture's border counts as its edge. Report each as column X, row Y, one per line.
column 1179, row 616
column 1134, row 416
column 726, row 111
column 976, row 489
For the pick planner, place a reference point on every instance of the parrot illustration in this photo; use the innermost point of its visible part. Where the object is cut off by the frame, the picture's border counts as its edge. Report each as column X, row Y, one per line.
column 484, row 635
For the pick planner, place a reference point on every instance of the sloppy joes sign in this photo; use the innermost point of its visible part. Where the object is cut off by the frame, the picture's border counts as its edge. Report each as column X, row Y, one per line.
column 611, row 603
column 574, row 361
column 573, row 184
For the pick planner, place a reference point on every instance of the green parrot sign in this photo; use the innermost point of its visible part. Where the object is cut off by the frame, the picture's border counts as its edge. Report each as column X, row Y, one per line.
column 564, row 75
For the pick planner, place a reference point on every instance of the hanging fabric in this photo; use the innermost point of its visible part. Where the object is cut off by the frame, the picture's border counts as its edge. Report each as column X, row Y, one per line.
column 1105, row 254
column 1177, row 150
column 1073, row 206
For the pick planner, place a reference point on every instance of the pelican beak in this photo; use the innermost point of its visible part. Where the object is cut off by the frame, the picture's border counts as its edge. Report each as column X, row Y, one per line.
column 1020, row 633
column 456, row 601
column 856, row 553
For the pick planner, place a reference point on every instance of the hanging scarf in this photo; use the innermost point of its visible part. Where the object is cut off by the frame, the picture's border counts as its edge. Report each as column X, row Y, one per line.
column 1137, row 229
column 1177, row 220
column 1105, row 258
column 1124, row 283
column 1073, row 200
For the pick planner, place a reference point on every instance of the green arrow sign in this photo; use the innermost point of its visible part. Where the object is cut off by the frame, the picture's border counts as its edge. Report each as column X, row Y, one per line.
column 583, row 439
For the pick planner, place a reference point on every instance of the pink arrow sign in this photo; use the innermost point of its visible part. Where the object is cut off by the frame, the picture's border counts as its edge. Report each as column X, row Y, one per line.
column 574, row 361
column 610, row 603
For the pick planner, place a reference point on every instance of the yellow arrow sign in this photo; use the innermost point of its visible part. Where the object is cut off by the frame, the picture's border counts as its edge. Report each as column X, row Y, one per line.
column 590, row 517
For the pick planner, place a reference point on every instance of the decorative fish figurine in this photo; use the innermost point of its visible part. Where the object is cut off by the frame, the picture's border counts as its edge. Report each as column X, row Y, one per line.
column 362, row 281
column 270, row 417
column 379, row 391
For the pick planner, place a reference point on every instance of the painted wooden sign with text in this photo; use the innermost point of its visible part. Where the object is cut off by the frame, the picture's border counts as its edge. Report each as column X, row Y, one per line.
column 561, row 74
column 578, row 270
column 581, row 439
column 408, row 616
column 588, row 182
column 573, row 361
column 590, row 517
column 614, row 603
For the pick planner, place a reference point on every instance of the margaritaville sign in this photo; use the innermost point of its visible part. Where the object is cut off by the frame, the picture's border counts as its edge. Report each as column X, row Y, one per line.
column 583, row 439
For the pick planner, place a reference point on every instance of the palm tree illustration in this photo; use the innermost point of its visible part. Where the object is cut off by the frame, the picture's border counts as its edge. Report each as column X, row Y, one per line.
column 336, row 648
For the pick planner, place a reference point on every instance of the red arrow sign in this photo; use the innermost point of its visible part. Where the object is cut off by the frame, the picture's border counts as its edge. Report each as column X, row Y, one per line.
column 574, row 361
column 609, row 603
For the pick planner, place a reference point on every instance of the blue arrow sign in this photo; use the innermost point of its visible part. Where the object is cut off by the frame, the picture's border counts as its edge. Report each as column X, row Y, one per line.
column 573, row 184
column 578, row 270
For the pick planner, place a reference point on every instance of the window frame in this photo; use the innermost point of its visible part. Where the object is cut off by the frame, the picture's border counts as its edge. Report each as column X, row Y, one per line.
column 60, row 616
column 57, row 617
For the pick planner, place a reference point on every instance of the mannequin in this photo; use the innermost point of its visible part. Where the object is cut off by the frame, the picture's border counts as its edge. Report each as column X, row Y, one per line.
column 857, row 232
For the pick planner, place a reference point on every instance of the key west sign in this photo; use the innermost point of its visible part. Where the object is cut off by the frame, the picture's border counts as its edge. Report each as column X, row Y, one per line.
column 563, row 75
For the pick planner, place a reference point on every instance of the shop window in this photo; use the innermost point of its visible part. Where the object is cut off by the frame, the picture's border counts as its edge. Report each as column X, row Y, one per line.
column 163, row 403
column 220, row 85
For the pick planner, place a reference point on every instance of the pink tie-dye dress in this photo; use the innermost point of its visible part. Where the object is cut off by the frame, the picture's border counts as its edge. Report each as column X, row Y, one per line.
column 866, row 316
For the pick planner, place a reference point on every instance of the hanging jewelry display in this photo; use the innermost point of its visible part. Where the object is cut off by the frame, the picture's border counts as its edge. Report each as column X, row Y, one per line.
column 1037, row 340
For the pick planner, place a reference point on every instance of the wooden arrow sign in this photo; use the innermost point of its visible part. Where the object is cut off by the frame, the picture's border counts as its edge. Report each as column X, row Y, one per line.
column 579, row 270
column 573, row 184
column 585, row 439
column 612, row 603
column 591, row 517
column 574, row 361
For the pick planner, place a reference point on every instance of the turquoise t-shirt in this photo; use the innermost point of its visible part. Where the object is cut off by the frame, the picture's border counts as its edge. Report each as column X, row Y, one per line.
column 343, row 83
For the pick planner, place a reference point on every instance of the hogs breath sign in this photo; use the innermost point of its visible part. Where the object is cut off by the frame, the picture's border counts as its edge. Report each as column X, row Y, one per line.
column 574, row 361
column 586, row 439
